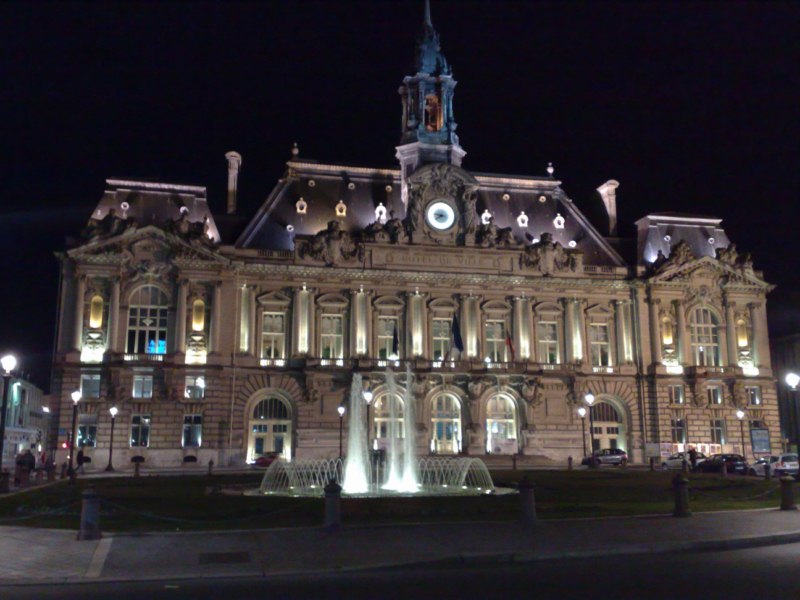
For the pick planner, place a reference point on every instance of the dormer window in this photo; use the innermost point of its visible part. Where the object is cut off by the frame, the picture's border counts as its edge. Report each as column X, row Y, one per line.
column 301, row 206
column 341, row 209
column 380, row 213
column 433, row 113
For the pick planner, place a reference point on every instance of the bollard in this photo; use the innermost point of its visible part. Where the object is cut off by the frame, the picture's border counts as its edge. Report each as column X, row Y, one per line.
column 63, row 470
column 136, row 466
column 51, row 473
column 4, row 479
column 527, row 502
column 767, row 473
column 681, row 485
column 333, row 506
column 652, row 463
column 210, row 468
column 90, row 516
column 684, row 466
column 787, row 493
column 569, row 463
column 724, row 470
column 514, row 462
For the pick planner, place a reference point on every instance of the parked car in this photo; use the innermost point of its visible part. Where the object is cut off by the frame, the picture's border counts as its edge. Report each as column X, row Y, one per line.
column 735, row 463
column 266, row 460
column 783, row 464
column 675, row 461
column 609, row 456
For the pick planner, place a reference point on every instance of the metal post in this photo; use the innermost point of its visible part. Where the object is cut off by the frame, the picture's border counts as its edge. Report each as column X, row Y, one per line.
column 527, row 501
column 341, row 425
column 592, row 462
column 787, row 493
column 741, row 428
column 333, row 506
column 110, row 466
column 796, row 424
column 90, row 516
column 583, row 429
column 70, row 469
column 681, row 486
column 4, row 475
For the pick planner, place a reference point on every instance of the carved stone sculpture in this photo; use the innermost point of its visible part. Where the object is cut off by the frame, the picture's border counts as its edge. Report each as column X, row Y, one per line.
column 550, row 257
column 332, row 246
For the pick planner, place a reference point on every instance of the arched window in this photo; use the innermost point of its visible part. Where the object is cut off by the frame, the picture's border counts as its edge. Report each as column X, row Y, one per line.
column 269, row 429
column 388, row 421
column 608, row 427
column 501, row 425
column 705, row 338
column 445, row 424
column 147, row 321
column 96, row 312
column 198, row 315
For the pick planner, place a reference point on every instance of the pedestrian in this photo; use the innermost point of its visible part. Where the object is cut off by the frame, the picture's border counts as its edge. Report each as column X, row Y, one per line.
column 80, row 461
column 693, row 458
column 19, row 462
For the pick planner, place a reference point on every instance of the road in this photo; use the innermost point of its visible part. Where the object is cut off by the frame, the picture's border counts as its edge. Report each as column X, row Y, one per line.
column 762, row 573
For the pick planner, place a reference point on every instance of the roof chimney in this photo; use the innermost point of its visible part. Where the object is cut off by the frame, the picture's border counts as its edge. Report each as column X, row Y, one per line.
column 608, row 191
column 234, row 162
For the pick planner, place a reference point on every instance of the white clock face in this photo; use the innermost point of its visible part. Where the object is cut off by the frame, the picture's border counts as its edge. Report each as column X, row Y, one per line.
column 440, row 215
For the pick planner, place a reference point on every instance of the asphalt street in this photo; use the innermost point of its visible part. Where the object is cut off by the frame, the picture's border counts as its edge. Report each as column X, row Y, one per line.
column 757, row 573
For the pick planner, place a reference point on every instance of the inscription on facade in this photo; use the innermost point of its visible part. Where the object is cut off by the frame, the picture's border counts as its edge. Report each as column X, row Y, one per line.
column 445, row 261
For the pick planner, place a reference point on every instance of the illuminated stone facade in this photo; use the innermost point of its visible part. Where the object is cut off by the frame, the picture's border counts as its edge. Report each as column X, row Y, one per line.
column 224, row 344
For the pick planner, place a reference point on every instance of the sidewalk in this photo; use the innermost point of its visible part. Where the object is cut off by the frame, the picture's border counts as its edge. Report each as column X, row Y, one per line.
column 56, row 556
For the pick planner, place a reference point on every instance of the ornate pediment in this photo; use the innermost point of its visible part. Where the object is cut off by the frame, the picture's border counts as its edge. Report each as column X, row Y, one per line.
column 727, row 269
column 276, row 299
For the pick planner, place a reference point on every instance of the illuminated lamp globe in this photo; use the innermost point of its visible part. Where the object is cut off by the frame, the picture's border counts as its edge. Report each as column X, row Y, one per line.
column 740, row 414
column 341, row 410
column 582, row 412
column 367, row 396
column 589, row 398
column 76, row 396
column 792, row 379
column 9, row 362
column 113, row 410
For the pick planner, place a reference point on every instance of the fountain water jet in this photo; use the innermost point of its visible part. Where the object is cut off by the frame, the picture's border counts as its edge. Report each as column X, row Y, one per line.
column 356, row 468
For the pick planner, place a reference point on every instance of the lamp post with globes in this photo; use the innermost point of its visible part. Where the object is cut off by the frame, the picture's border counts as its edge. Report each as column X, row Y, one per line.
column 113, row 410
column 76, row 397
column 9, row 363
column 341, row 411
column 582, row 414
column 792, row 380
column 589, row 399
column 740, row 416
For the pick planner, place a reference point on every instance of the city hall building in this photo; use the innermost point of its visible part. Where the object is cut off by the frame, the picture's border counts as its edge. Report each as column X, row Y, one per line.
column 223, row 338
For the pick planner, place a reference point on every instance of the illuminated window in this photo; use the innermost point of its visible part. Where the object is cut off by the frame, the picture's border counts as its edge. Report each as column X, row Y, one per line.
column 599, row 344
column 142, row 386
column 714, row 393
column 140, row 430
column 433, row 113
column 147, row 321
column 717, row 431
column 386, row 331
column 273, row 335
column 96, row 312
column 194, row 387
column 90, row 385
column 741, row 333
column 192, row 431
column 666, row 331
column 705, row 338
column 441, row 338
column 496, row 340
column 446, row 424
column 678, row 431
column 87, row 431
column 198, row 315
column 753, row 395
column 676, row 395
column 547, row 342
column 388, row 422
column 331, row 337
column 501, row 425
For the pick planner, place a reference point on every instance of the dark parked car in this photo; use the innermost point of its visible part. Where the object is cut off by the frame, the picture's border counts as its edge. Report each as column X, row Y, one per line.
column 735, row 463
column 609, row 456
column 266, row 459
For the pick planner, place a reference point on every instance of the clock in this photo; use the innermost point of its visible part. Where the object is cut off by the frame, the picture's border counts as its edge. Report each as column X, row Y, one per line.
column 440, row 215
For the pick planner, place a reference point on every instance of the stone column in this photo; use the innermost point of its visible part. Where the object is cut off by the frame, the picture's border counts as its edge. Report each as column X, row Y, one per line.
column 469, row 326
column 216, row 329
column 683, row 335
column 180, row 318
column 113, row 317
column 582, row 342
column 730, row 330
column 522, row 329
column 569, row 332
column 415, row 315
column 655, row 330
column 253, row 343
column 762, row 340
column 77, row 341
column 358, row 323
column 619, row 327
column 760, row 347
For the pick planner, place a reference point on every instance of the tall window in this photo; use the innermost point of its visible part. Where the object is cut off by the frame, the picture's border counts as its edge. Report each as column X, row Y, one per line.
column 547, row 341
column 678, row 431
column 142, row 386
column 147, row 321
column 270, row 429
column 717, row 431
column 388, row 419
column 501, row 426
column 714, row 394
column 87, row 431
column 496, row 340
column 194, row 387
column 676, row 394
column 273, row 335
column 753, row 395
column 441, row 338
column 599, row 344
column 705, row 338
column 140, row 430
column 90, row 385
column 192, row 431
column 386, row 329
column 331, row 339
column 446, row 424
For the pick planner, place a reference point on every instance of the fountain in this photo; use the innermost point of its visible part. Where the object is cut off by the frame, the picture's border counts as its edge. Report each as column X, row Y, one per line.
column 402, row 472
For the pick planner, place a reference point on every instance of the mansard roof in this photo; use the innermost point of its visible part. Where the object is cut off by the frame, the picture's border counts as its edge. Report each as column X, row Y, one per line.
column 306, row 199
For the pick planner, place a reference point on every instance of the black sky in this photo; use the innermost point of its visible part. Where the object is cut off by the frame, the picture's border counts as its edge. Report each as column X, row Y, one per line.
column 692, row 106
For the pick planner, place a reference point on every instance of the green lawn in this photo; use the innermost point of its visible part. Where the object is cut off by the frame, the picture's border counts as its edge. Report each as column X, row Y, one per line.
column 183, row 503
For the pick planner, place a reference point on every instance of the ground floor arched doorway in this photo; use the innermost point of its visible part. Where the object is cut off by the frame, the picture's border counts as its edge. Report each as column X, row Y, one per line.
column 501, row 425
column 270, row 429
column 609, row 430
column 445, row 424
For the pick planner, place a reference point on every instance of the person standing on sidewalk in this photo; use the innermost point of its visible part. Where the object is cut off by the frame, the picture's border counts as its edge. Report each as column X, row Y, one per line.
column 693, row 458
column 80, row 462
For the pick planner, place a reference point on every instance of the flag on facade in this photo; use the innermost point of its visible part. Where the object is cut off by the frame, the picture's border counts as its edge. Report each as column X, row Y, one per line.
column 510, row 342
column 456, row 342
column 395, row 341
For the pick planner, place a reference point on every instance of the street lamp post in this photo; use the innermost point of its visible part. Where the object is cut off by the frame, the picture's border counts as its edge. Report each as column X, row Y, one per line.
column 9, row 363
column 367, row 394
column 113, row 410
column 340, row 410
column 76, row 397
column 589, row 398
column 792, row 380
column 740, row 416
column 582, row 413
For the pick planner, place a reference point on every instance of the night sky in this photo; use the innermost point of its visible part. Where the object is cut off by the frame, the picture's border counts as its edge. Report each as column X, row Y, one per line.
column 693, row 107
